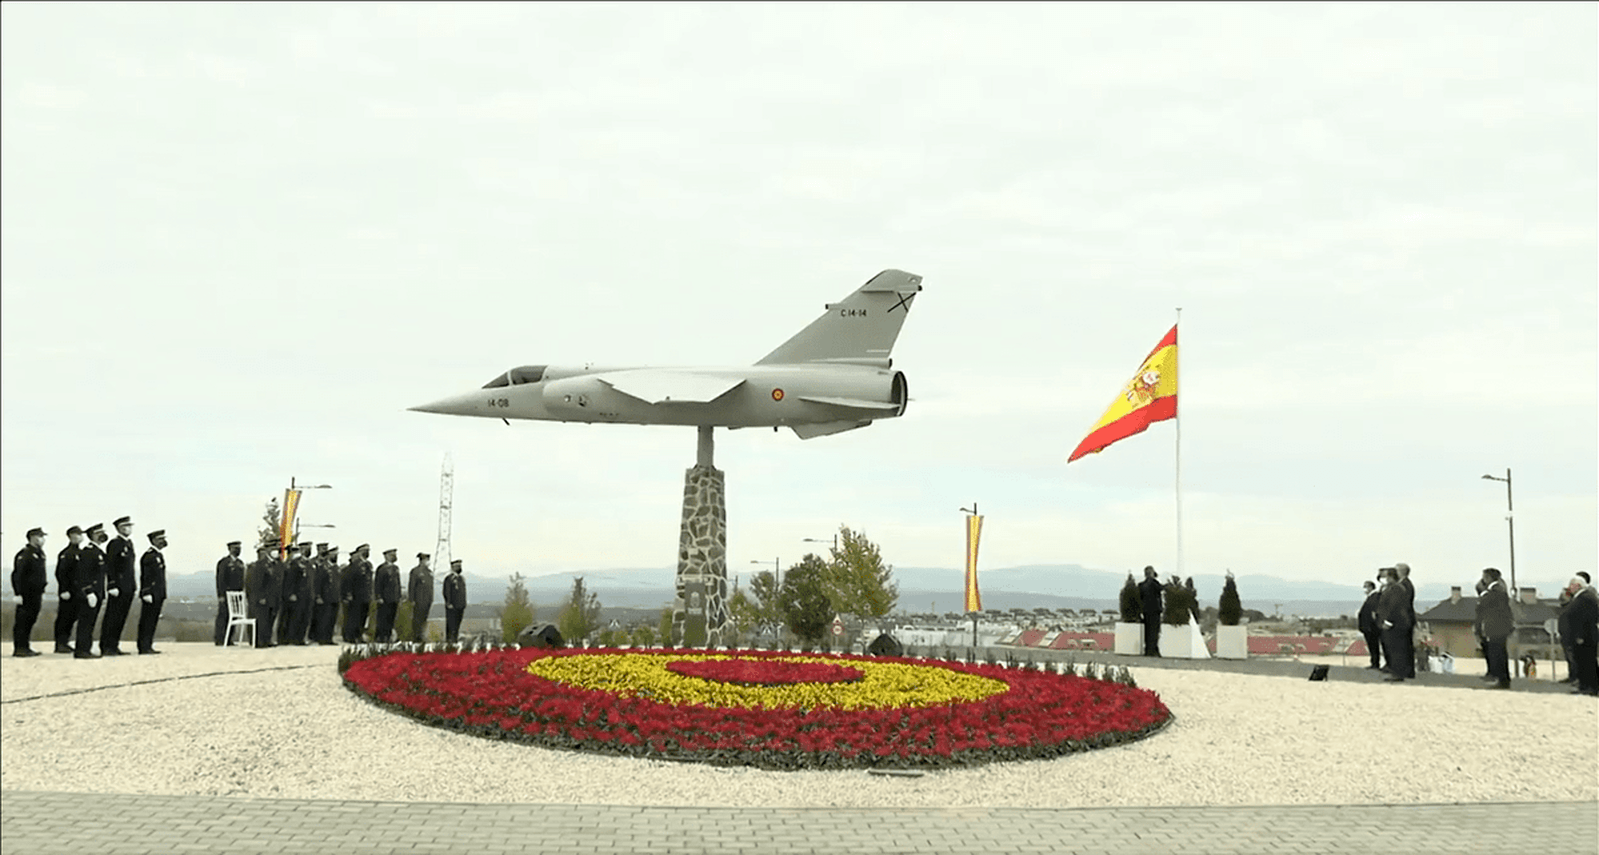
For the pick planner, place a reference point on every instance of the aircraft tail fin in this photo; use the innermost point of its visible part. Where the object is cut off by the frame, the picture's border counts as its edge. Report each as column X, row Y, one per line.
column 861, row 328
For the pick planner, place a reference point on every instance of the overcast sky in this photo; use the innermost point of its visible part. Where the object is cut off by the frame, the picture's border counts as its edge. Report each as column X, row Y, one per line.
column 239, row 241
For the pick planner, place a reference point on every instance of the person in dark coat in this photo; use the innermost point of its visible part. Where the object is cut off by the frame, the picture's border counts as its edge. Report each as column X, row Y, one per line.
column 1369, row 628
column 152, row 590
column 386, row 592
column 122, row 582
column 1497, row 621
column 296, row 584
column 29, row 578
column 66, row 583
column 1409, row 641
column 305, row 605
column 263, row 583
column 89, row 587
column 1585, row 635
column 230, row 577
column 357, row 590
column 1394, row 619
column 1149, row 593
column 420, row 593
column 454, row 602
column 1564, row 630
column 325, row 593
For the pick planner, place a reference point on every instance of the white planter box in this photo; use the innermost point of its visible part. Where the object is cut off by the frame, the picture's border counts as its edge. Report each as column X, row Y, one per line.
column 1129, row 639
column 1232, row 642
column 1176, row 642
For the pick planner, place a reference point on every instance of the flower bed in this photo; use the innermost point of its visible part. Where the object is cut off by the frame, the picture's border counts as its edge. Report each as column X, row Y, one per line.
column 716, row 708
column 764, row 672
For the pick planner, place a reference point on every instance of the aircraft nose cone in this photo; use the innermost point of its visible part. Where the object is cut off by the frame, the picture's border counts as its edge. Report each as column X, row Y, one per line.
column 456, row 405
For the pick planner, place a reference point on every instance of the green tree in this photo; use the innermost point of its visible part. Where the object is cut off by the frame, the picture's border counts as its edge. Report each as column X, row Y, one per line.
column 581, row 614
column 642, row 635
column 803, row 599
column 664, row 627
column 402, row 621
column 1229, row 609
column 272, row 524
column 745, row 613
column 856, row 580
column 1132, row 602
column 763, row 596
column 518, row 612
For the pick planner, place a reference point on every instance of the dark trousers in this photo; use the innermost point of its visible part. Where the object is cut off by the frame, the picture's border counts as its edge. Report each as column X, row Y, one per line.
column 1587, row 669
column 1498, row 657
column 1395, row 648
column 324, row 616
column 149, row 616
column 385, row 627
column 66, row 616
column 86, row 618
column 1374, row 647
column 301, row 626
column 116, row 617
column 355, row 621
column 1151, row 638
column 27, row 616
column 266, row 617
column 419, row 620
column 452, row 624
column 292, row 622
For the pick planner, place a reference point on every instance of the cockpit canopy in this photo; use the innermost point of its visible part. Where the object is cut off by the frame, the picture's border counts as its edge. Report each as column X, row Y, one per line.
column 517, row 376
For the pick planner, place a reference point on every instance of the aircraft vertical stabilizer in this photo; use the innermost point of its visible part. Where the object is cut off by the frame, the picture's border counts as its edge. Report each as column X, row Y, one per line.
column 861, row 328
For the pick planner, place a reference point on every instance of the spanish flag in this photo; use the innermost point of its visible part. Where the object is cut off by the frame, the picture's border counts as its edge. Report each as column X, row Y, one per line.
column 974, row 530
column 1151, row 396
column 291, row 504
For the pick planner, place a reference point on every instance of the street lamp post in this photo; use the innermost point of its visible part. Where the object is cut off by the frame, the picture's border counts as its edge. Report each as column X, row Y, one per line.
column 834, row 541
column 1510, row 520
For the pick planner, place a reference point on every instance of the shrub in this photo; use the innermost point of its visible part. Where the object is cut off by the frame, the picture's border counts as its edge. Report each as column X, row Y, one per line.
column 1229, row 610
column 1132, row 603
column 1176, row 606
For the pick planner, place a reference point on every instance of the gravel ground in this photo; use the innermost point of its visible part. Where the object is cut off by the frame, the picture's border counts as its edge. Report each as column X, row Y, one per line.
column 279, row 723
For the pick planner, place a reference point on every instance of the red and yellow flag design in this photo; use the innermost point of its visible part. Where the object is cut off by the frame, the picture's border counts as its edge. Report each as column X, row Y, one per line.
column 974, row 528
column 291, row 503
column 1151, row 396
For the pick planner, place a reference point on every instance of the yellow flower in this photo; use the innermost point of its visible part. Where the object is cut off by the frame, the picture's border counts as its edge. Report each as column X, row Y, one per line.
column 884, row 684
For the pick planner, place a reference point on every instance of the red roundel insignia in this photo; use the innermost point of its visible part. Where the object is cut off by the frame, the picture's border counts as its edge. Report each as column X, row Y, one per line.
column 777, row 394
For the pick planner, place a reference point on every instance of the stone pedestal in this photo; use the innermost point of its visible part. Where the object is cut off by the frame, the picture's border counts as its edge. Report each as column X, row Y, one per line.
column 700, row 617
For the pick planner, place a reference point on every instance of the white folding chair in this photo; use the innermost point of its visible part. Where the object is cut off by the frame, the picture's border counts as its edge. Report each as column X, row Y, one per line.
column 237, row 617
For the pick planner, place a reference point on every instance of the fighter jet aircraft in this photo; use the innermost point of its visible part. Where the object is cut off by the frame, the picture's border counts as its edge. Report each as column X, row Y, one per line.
column 835, row 375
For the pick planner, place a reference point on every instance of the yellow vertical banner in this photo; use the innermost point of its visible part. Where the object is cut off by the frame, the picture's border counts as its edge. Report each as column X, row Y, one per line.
column 291, row 503
column 974, row 529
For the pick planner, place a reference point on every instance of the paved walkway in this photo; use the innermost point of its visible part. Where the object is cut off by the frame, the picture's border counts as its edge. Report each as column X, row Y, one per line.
column 35, row 822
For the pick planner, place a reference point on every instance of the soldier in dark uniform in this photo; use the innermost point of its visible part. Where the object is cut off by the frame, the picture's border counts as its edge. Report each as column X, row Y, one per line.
column 1585, row 634
column 1149, row 593
column 152, row 590
column 386, row 592
column 230, row 577
column 1498, row 621
column 28, row 581
column 420, row 593
column 122, row 580
column 305, row 605
column 454, row 602
column 325, row 590
column 263, row 582
column 1369, row 628
column 89, row 586
column 66, row 584
column 296, row 576
column 357, row 591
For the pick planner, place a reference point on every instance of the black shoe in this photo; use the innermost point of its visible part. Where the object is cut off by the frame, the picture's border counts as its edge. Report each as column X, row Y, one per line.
column 1502, row 684
column 25, row 652
column 149, row 653
column 85, row 656
column 1373, row 668
column 112, row 652
column 1393, row 678
column 63, row 648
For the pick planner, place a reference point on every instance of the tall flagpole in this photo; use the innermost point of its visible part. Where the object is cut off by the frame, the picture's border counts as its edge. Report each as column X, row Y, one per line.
column 1177, row 416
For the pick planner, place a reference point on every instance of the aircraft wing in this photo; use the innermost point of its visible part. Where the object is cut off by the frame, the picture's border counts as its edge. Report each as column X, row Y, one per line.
column 852, row 403
column 657, row 387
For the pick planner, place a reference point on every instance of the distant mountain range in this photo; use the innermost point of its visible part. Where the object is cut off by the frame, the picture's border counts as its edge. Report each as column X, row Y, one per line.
column 929, row 589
